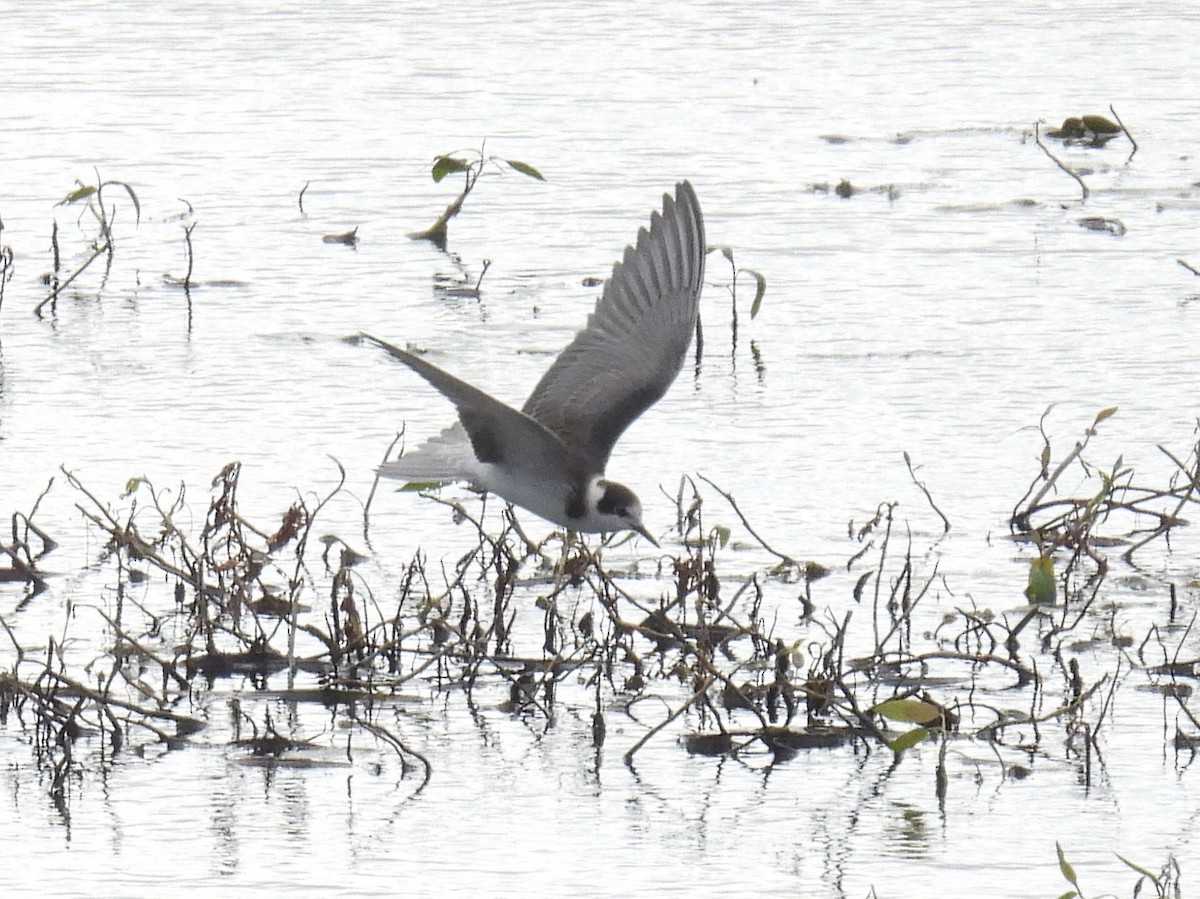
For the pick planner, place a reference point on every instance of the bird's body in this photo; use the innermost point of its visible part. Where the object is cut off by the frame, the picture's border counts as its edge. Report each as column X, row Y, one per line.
column 550, row 457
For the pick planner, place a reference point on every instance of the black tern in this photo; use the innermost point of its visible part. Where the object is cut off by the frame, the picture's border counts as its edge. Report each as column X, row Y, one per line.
column 550, row 457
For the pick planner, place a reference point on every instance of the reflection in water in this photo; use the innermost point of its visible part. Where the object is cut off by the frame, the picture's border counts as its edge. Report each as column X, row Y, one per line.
column 223, row 825
column 911, row 831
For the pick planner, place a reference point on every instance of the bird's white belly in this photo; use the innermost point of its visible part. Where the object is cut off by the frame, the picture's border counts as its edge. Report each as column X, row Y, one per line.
column 542, row 497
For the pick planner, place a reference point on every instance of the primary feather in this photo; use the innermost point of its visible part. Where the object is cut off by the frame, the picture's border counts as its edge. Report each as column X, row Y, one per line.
column 635, row 341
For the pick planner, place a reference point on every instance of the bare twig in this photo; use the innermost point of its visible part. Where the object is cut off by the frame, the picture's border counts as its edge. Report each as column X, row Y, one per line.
column 1023, row 518
column 728, row 497
column 187, row 236
column 1038, row 138
column 683, row 707
column 921, row 486
column 396, row 743
column 375, row 484
column 1126, row 130
column 59, row 288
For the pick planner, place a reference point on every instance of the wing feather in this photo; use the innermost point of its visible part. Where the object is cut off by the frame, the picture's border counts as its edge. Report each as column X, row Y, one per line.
column 635, row 341
column 498, row 433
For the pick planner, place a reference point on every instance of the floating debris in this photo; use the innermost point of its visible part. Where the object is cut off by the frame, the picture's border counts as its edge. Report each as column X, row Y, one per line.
column 172, row 281
column 1088, row 130
column 1097, row 223
column 349, row 238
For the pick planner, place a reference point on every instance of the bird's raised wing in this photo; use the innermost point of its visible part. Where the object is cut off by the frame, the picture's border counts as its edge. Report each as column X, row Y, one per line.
column 498, row 433
column 634, row 344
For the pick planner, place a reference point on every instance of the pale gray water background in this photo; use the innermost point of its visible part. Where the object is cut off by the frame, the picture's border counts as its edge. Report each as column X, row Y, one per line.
column 942, row 320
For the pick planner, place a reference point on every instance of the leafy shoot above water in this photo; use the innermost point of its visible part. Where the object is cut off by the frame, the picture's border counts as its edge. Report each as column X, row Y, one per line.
column 470, row 164
column 93, row 197
column 89, row 191
column 760, row 282
column 1165, row 882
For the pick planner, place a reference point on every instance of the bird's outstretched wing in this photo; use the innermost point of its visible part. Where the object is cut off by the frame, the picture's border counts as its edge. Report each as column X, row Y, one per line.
column 498, row 433
column 634, row 344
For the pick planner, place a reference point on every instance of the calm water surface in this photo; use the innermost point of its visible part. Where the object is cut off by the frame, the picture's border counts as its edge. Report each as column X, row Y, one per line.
column 939, row 311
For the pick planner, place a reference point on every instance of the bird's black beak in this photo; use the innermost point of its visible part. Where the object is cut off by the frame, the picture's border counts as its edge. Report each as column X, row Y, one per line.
column 640, row 528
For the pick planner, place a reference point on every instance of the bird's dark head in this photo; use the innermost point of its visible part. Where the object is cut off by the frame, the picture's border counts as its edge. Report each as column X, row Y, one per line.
column 617, row 508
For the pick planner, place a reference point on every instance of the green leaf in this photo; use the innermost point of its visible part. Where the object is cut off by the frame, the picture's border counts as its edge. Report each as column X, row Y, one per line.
column 909, row 710
column 759, row 291
column 415, row 486
column 722, row 533
column 80, row 193
column 524, row 168
column 448, row 165
column 1042, row 584
column 1065, row 866
column 1137, row 868
column 908, row 739
column 1103, row 414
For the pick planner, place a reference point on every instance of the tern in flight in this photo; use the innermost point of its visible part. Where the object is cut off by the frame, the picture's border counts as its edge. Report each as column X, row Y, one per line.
column 550, row 457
